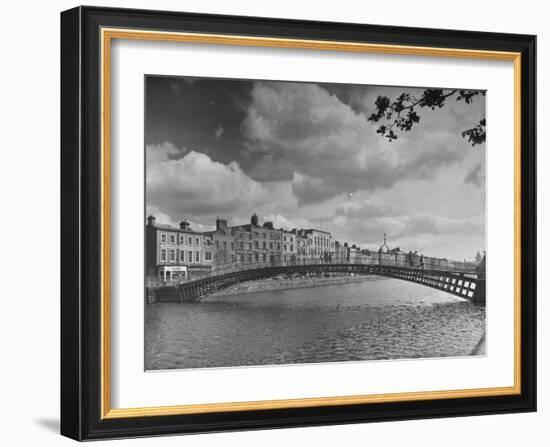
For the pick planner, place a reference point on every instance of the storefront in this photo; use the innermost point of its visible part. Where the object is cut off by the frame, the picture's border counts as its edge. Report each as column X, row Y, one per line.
column 172, row 273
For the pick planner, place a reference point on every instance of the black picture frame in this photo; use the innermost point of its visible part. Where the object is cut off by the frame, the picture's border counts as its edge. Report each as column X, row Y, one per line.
column 81, row 208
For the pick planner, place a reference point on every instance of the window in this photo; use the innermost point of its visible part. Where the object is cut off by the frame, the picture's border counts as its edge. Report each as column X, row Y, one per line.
column 264, row 235
column 163, row 255
column 225, row 245
column 249, row 235
column 263, row 257
column 271, row 245
column 257, row 257
column 264, row 244
column 256, row 244
column 172, row 239
column 278, row 246
column 232, row 246
column 182, row 256
column 232, row 258
column 189, row 256
column 182, row 239
column 163, row 237
column 197, row 256
column 172, row 255
column 190, row 241
column 217, row 245
column 196, row 241
column 242, row 246
column 242, row 258
column 208, row 255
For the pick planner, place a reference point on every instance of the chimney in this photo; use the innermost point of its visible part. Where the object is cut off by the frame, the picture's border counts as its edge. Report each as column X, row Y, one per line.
column 184, row 225
column 221, row 225
column 254, row 220
column 151, row 221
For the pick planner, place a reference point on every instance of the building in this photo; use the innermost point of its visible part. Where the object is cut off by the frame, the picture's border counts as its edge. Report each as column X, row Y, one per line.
column 300, row 246
column 174, row 254
column 367, row 256
column 259, row 244
column 221, row 243
column 340, row 252
column 351, row 252
column 385, row 256
column 319, row 244
column 289, row 247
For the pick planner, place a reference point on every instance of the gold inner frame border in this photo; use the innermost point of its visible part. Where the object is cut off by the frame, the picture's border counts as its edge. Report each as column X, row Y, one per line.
column 107, row 35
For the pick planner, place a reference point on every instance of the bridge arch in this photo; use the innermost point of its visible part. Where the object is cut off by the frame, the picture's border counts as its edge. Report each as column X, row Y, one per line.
column 468, row 285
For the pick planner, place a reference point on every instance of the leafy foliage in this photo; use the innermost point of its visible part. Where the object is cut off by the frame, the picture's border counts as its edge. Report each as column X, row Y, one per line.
column 401, row 113
column 476, row 135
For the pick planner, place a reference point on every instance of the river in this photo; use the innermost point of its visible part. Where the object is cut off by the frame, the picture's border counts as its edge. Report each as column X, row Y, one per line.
column 379, row 318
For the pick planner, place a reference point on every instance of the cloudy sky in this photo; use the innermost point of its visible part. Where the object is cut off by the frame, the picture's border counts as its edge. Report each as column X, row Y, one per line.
column 304, row 155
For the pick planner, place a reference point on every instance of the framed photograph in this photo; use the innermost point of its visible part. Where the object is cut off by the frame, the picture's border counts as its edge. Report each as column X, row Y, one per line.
column 274, row 223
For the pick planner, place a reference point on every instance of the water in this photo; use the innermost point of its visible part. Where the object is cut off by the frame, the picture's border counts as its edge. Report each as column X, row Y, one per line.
column 379, row 318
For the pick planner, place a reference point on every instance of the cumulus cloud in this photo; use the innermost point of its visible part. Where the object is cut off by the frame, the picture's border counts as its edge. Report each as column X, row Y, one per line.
column 155, row 154
column 304, row 134
column 366, row 209
column 310, row 190
column 476, row 176
column 367, row 220
column 440, row 225
column 280, row 221
column 195, row 185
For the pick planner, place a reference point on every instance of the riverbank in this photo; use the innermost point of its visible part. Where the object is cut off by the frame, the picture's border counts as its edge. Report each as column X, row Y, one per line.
column 270, row 284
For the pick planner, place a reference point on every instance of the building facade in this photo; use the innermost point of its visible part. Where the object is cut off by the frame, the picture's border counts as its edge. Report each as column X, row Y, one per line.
column 258, row 244
column 340, row 252
column 174, row 254
column 319, row 244
column 221, row 243
column 289, row 247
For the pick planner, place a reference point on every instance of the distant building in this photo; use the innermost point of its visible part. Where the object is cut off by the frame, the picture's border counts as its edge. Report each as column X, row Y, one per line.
column 172, row 253
column 300, row 245
column 340, row 252
column 385, row 255
column 351, row 252
column 289, row 246
column 368, row 257
column 319, row 244
column 384, row 247
column 478, row 257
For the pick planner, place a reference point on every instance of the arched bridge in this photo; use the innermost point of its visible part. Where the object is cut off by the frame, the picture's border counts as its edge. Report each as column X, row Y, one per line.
column 465, row 284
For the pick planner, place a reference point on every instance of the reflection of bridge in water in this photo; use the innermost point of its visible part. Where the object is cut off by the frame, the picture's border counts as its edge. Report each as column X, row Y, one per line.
column 466, row 282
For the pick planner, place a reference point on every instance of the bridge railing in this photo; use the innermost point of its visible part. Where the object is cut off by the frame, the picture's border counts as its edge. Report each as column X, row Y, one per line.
column 393, row 260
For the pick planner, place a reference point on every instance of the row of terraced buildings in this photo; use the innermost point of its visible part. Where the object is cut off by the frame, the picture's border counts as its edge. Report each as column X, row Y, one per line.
column 179, row 253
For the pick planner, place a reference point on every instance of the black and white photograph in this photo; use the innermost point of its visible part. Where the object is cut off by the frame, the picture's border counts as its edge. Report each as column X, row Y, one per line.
column 297, row 222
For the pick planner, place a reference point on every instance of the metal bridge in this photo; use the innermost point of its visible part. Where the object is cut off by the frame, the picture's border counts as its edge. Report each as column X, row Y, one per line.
column 465, row 284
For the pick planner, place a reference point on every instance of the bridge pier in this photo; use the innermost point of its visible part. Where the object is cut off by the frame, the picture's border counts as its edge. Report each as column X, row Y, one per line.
column 479, row 295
